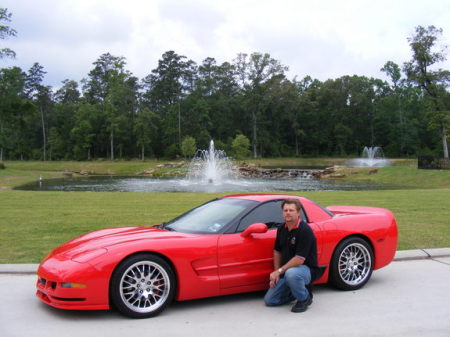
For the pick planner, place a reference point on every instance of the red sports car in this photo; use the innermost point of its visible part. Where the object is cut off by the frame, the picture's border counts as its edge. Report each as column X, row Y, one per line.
column 222, row 247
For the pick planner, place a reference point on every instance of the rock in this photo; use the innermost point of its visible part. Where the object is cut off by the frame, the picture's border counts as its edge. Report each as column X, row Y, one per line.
column 67, row 174
column 337, row 175
column 84, row 172
column 328, row 170
column 373, row 171
column 179, row 164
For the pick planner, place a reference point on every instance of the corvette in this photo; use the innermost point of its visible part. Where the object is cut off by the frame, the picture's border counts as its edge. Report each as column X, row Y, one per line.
column 222, row 247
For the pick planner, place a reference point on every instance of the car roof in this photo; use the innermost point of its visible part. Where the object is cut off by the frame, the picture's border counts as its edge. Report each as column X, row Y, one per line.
column 314, row 211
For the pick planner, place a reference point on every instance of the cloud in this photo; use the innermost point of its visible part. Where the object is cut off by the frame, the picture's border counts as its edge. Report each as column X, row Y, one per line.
column 323, row 39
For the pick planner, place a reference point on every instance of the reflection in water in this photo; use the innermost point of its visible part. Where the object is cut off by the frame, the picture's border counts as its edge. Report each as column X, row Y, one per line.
column 144, row 184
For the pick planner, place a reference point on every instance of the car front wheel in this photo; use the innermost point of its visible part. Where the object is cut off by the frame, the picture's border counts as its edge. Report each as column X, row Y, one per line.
column 352, row 264
column 142, row 286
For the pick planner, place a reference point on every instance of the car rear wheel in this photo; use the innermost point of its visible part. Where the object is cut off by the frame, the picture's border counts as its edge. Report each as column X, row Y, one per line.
column 142, row 286
column 352, row 264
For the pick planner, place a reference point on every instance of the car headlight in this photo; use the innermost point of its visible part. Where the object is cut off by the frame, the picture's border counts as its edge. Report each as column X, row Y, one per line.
column 73, row 285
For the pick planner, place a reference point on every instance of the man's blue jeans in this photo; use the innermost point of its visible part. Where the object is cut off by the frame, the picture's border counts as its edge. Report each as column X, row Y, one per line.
column 290, row 287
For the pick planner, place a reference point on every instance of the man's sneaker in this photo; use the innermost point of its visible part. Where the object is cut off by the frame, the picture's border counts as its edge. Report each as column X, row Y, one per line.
column 301, row 306
column 309, row 300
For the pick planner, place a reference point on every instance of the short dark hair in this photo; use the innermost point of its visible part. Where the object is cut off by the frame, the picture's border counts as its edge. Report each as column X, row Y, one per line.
column 291, row 201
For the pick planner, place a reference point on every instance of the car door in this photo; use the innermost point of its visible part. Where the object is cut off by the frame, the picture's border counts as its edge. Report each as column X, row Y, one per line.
column 247, row 261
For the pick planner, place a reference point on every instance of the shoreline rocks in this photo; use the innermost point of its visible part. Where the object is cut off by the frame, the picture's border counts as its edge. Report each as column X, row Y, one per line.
column 251, row 171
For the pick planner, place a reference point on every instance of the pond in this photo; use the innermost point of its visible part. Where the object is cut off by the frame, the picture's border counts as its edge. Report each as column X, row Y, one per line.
column 145, row 184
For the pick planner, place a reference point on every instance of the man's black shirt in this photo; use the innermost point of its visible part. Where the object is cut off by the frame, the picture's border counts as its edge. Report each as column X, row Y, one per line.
column 300, row 241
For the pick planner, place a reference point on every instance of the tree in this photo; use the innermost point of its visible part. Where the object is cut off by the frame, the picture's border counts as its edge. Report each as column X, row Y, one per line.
column 115, row 90
column 5, row 32
column 83, row 131
column 145, row 126
column 165, row 87
column 188, row 146
column 14, row 112
column 252, row 72
column 67, row 100
column 241, row 146
column 394, row 72
column 41, row 95
column 55, row 144
column 434, row 82
column 342, row 134
column 68, row 93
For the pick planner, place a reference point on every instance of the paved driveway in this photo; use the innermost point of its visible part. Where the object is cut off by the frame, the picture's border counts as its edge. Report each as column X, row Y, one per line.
column 406, row 298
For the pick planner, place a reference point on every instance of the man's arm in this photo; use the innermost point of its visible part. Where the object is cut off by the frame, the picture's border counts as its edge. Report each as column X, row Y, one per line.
column 275, row 275
column 276, row 260
column 279, row 269
column 294, row 262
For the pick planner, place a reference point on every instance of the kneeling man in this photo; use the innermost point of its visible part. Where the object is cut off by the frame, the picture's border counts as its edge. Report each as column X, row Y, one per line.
column 294, row 260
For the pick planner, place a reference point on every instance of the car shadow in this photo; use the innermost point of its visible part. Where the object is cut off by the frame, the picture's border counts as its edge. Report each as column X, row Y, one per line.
column 178, row 307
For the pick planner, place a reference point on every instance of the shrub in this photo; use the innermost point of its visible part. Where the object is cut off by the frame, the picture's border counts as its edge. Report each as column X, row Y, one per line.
column 241, row 146
column 188, row 146
column 172, row 151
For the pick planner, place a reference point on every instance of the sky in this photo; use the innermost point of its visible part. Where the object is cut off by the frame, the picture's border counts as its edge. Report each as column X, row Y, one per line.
column 324, row 39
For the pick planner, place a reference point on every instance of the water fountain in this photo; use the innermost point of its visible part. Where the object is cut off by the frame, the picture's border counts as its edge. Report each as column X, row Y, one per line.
column 371, row 157
column 210, row 166
column 210, row 171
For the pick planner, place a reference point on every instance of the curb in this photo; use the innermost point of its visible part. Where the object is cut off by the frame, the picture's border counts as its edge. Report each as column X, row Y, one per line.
column 400, row 255
column 419, row 254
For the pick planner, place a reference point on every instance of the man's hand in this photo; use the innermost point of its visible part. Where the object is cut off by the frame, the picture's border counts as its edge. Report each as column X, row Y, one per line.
column 274, row 278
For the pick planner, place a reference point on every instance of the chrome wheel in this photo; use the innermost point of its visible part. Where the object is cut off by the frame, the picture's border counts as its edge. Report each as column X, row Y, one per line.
column 351, row 264
column 142, row 286
column 355, row 264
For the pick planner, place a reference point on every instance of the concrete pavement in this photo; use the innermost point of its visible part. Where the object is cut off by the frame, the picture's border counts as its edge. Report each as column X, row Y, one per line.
column 410, row 297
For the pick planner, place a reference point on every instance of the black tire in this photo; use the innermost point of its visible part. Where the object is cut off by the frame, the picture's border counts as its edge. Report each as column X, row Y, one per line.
column 142, row 286
column 351, row 264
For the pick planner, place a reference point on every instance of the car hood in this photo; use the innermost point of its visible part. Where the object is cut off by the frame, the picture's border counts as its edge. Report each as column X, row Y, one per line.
column 107, row 238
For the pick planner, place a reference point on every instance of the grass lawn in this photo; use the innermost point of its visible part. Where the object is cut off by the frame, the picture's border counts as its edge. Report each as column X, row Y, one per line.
column 22, row 172
column 33, row 223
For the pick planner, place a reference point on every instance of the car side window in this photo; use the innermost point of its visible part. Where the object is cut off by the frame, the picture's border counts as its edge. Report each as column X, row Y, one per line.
column 268, row 213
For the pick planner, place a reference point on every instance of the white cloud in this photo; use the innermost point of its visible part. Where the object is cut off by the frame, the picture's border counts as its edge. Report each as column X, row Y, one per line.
column 323, row 39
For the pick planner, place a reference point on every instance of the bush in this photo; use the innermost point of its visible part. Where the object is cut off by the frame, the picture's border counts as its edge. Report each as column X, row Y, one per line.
column 241, row 146
column 2, row 166
column 188, row 147
column 172, row 152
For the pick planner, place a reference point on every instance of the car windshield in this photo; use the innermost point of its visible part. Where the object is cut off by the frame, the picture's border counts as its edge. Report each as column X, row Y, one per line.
column 209, row 218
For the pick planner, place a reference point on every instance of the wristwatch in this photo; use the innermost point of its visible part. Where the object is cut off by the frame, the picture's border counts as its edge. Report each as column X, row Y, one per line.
column 280, row 270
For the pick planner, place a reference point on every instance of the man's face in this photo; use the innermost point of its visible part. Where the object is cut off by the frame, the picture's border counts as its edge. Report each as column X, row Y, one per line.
column 290, row 213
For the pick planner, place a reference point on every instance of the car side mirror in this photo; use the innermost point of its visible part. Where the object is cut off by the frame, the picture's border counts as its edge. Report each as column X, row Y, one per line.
column 254, row 228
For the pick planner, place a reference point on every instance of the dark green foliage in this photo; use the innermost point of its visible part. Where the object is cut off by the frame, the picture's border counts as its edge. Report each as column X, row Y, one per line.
column 5, row 32
column 248, row 107
column 188, row 147
column 421, row 71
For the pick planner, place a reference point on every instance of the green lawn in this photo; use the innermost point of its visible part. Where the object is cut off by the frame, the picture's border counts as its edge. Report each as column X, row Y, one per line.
column 21, row 172
column 406, row 176
column 33, row 223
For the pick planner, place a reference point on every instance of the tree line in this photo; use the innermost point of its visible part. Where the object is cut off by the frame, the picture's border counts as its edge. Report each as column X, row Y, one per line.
column 246, row 102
